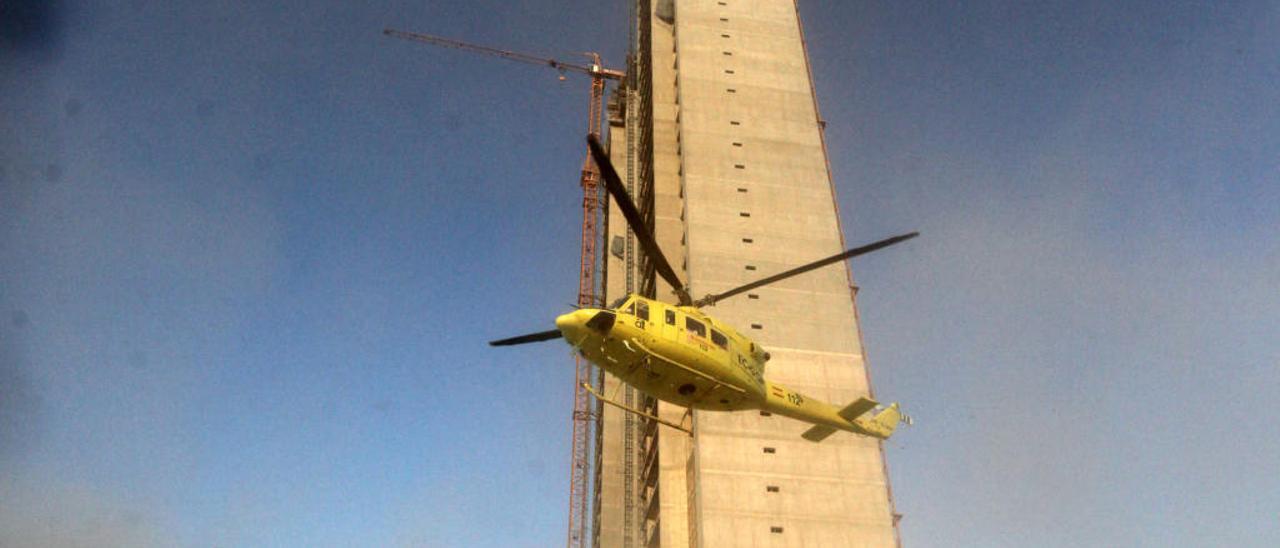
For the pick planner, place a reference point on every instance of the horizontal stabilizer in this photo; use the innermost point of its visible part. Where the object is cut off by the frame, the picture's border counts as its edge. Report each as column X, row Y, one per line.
column 850, row 413
column 818, row 433
column 857, row 408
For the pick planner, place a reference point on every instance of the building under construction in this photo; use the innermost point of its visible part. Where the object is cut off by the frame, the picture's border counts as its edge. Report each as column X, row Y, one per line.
column 716, row 131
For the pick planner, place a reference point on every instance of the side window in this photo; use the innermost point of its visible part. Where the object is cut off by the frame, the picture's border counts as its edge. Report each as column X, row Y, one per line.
column 630, row 309
column 671, row 317
column 719, row 339
column 695, row 327
column 642, row 310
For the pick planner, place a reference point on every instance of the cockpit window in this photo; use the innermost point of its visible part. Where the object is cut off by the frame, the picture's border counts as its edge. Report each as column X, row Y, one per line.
column 719, row 339
column 619, row 302
column 631, row 309
column 642, row 310
column 694, row 326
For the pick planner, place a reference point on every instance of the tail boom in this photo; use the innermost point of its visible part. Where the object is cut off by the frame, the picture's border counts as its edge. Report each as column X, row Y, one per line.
column 827, row 418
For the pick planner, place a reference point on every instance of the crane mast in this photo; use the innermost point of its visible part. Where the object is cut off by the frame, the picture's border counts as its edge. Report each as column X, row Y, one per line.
column 585, row 420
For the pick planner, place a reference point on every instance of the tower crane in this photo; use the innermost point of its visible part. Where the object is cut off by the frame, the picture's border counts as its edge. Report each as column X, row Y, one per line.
column 583, row 418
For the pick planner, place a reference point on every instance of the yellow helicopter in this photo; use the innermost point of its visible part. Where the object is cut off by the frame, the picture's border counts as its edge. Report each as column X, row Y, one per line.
column 681, row 355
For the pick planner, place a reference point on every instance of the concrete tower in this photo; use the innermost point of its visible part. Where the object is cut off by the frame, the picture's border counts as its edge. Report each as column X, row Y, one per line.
column 719, row 136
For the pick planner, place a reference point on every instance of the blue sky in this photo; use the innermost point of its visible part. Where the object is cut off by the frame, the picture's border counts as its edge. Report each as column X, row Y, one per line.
column 249, row 257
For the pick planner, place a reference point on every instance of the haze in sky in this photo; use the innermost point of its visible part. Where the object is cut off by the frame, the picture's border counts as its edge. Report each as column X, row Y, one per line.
column 250, row 255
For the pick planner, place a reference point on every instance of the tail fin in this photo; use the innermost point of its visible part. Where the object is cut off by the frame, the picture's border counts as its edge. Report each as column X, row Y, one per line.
column 883, row 424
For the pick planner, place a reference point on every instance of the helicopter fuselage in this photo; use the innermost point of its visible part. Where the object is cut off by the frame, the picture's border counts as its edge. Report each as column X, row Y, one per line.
column 674, row 353
column 683, row 356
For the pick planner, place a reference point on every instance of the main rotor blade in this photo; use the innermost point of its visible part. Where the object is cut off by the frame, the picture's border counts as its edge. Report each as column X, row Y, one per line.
column 711, row 299
column 532, row 337
column 641, row 229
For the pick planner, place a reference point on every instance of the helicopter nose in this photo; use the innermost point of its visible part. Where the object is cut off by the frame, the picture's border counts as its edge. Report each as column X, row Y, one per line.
column 573, row 324
column 579, row 323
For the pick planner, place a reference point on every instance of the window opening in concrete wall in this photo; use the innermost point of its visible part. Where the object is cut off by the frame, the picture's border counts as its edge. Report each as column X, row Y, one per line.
column 775, row 529
column 728, row 71
column 726, row 53
column 771, row 488
column 724, row 19
column 616, row 247
column 748, row 241
column 752, row 296
column 770, row 450
column 731, row 90
column 740, row 189
column 737, row 144
column 739, row 166
column 766, row 414
column 734, row 123
column 744, row 214
column 756, row 326
column 751, row 267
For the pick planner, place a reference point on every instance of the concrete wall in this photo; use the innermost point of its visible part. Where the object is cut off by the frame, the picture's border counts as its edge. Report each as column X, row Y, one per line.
column 610, row 529
column 741, row 191
column 662, row 504
column 673, row 447
column 758, row 201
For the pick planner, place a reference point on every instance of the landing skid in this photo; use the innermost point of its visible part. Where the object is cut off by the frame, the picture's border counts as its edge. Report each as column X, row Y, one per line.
column 663, row 422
